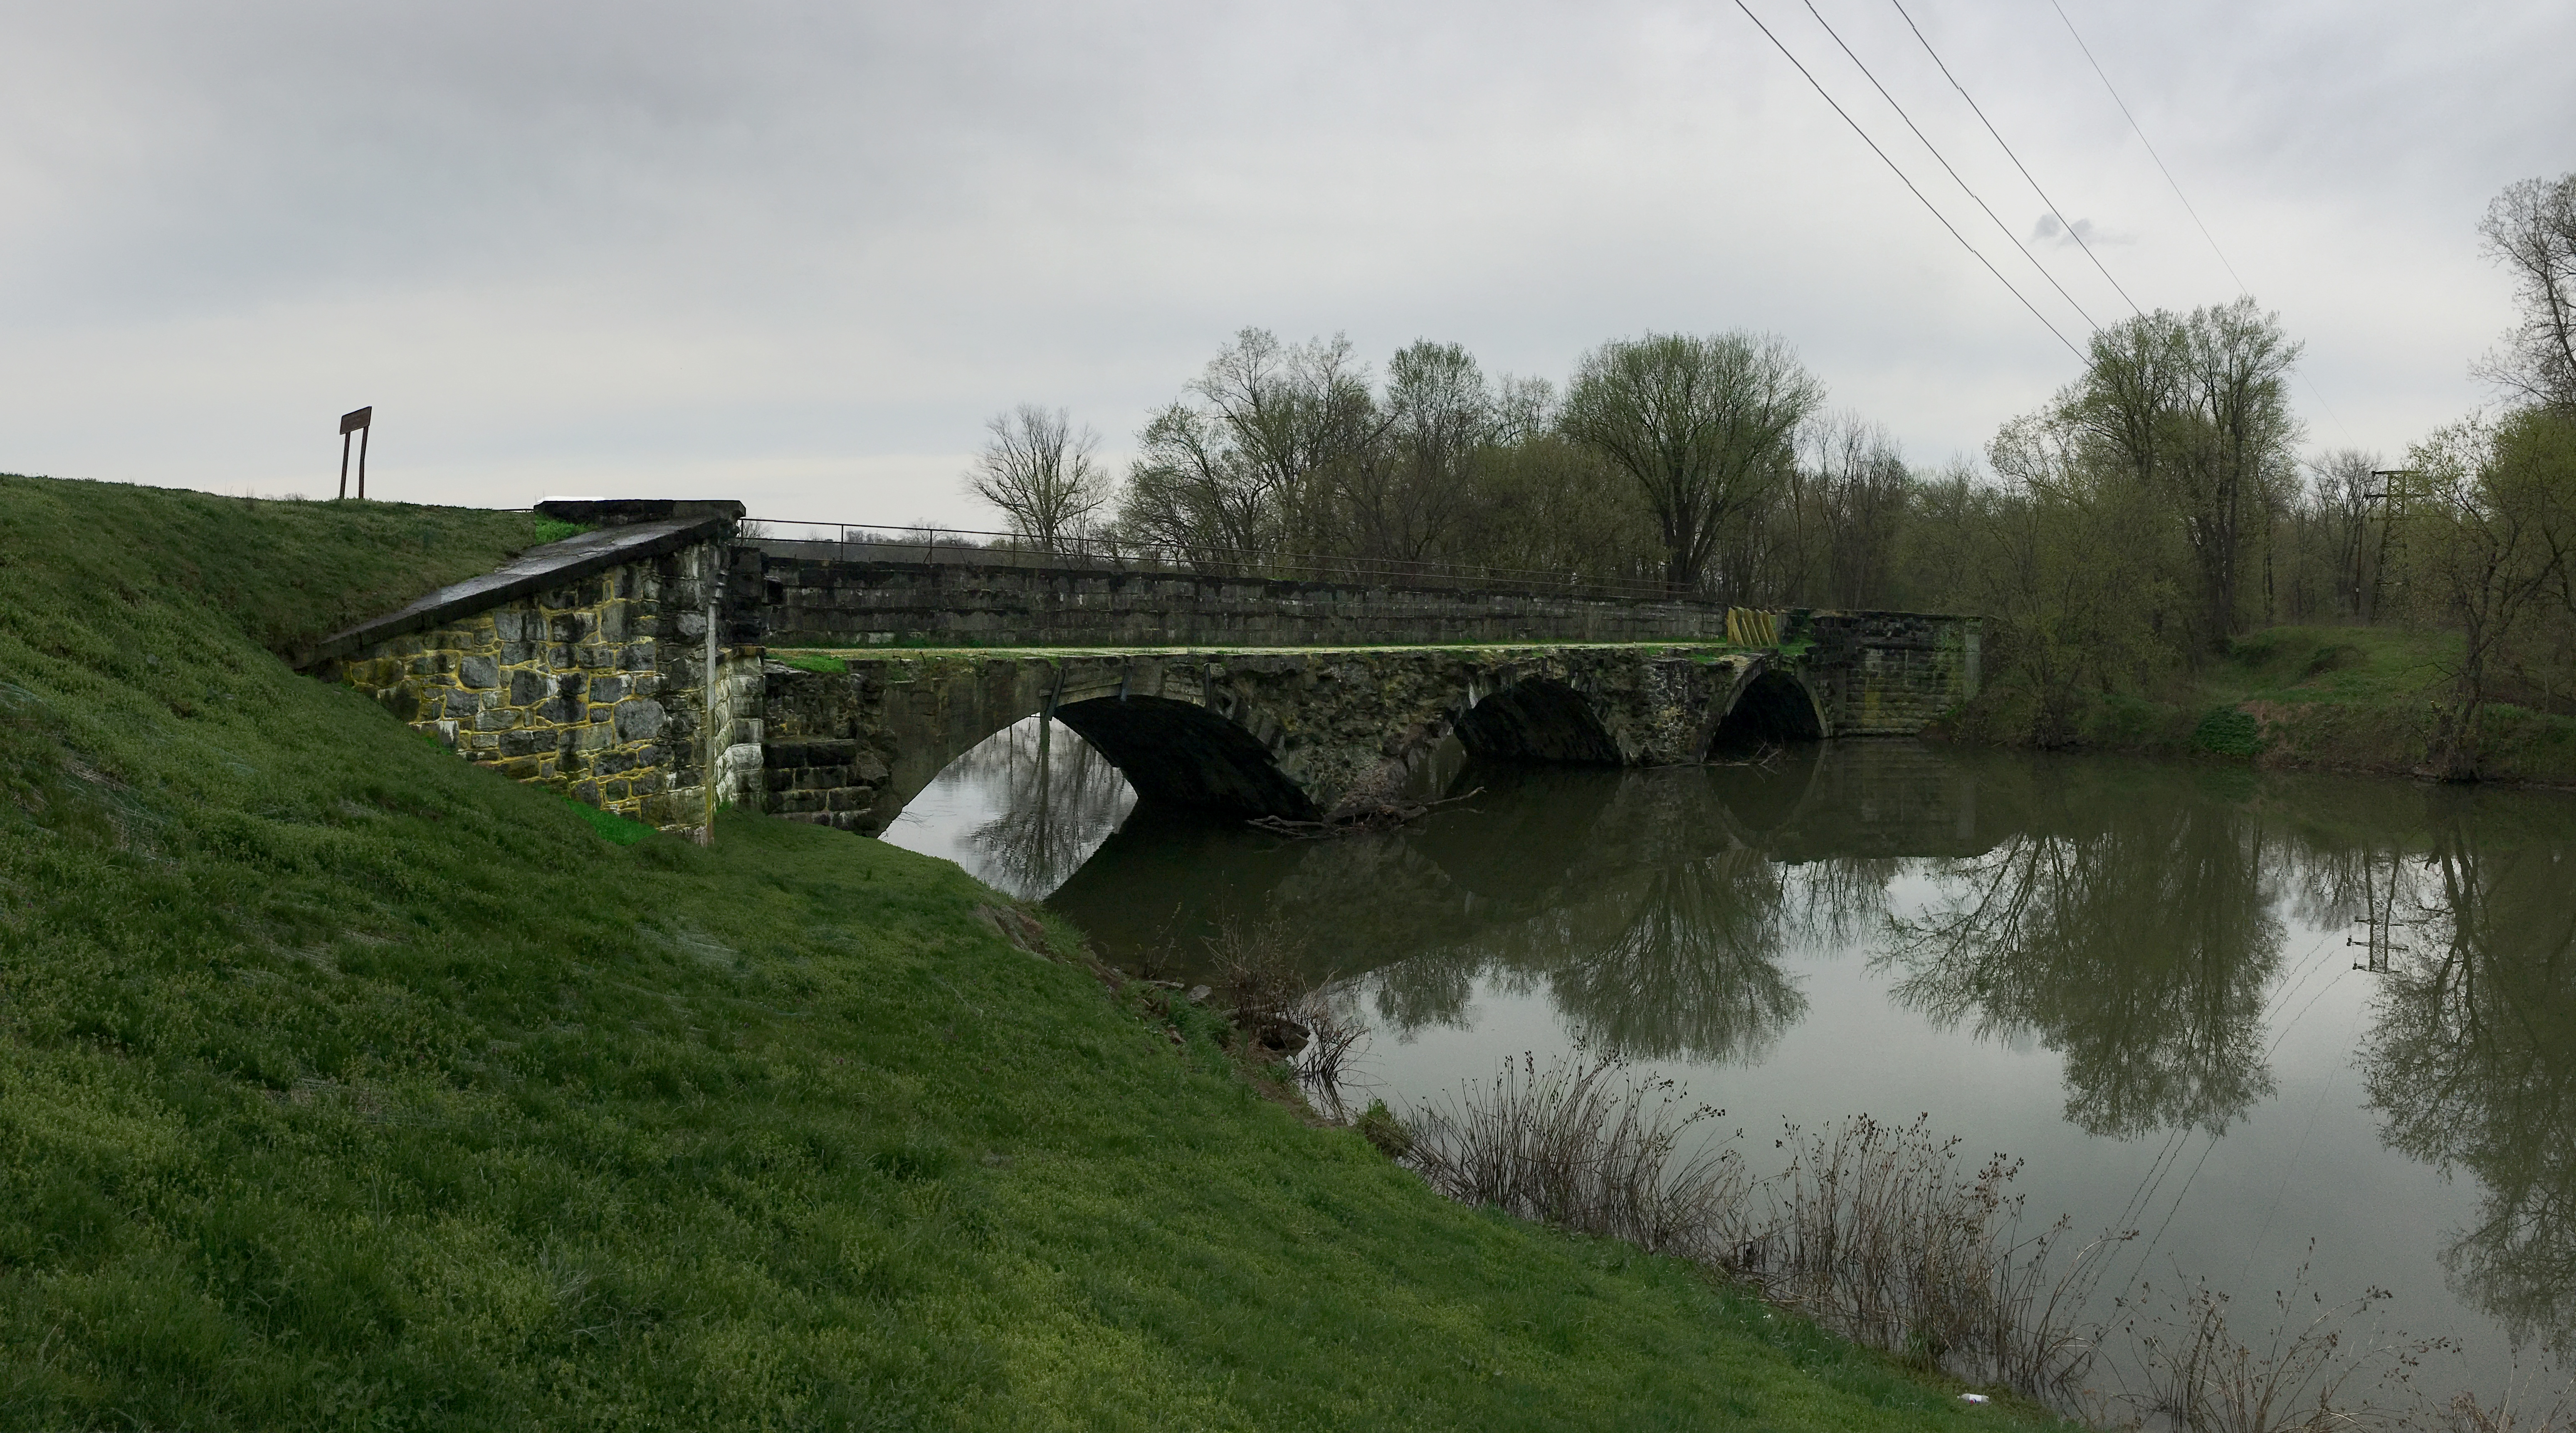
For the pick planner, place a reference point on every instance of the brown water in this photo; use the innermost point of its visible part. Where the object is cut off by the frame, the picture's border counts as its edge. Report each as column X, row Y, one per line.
column 2236, row 1013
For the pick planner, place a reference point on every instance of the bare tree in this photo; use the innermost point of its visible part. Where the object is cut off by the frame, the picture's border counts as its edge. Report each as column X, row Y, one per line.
column 1704, row 425
column 1040, row 473
column 1295, row 419
column 2344, row 489
column 1406, row 495
column 1190, row 490
column 2531, row 230
column 1247, row 464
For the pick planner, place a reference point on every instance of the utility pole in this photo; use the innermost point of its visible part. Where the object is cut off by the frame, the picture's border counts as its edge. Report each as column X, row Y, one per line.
column 2392, row 506
column 357, row 421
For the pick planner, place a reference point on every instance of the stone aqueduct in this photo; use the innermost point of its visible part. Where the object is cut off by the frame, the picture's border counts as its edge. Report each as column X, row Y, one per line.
column 635, row 667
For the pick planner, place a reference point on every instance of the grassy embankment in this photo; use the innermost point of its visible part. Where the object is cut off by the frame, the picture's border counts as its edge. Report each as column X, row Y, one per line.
column 343, row 1084
column 2326, row 698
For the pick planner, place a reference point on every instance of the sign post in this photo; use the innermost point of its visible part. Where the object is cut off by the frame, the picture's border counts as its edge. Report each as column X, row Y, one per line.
column 356, row 422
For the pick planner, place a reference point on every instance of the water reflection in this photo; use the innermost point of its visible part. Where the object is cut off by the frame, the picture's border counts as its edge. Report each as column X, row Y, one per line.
column 2087, row 960
column 2133, row 936
column 1022, row 810
column 2472, row 1063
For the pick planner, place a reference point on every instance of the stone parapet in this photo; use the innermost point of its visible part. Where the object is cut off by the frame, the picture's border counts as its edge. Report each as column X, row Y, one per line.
column 823, row 602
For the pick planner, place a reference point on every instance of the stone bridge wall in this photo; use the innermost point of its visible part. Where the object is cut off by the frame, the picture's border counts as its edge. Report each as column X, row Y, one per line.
column 1888, row 673
column 807, row 601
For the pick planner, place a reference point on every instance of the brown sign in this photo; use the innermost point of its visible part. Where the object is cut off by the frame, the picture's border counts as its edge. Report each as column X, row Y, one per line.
column 352, row 422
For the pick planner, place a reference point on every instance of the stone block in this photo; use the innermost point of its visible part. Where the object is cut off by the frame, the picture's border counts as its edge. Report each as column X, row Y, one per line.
column 528, row 687
column 640, row 718
column 523, row 742
column 608, row 690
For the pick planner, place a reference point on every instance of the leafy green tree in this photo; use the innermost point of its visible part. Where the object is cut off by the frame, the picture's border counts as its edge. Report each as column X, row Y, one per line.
column 2078, row 567
column 2195, row 409
column 1704, row 426
column 2489, row 530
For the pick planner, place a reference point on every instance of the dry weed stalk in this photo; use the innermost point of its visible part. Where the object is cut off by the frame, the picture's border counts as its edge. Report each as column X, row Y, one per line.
column 1884, row 1234
column 1583, row 1147
column 2298, row 1376
column 2541, row 1402
column 1256, row 968
column 1875, row 1231
column 1338, row 1037
column 1871, row 1230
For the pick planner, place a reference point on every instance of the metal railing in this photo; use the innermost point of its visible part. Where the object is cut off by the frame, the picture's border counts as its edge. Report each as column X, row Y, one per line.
column 924, row 543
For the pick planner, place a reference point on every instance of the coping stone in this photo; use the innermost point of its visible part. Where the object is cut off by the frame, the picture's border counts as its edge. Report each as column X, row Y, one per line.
column 538, row 569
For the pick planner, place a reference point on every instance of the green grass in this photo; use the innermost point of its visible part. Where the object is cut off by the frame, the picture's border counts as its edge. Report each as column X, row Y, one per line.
column 611, row 827
column 822, row 662
column 345, row 1085
column 2337, row 698
column 555, row 529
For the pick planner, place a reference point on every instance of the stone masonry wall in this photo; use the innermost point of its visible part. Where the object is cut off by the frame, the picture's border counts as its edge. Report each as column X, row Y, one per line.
column 597, row 689
column 1887, row 673
column 817, row 602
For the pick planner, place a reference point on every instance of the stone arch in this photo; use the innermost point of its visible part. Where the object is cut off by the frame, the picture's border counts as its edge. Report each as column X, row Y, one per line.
column 1170, row 750
column 1773, row 709
column 1537, row 719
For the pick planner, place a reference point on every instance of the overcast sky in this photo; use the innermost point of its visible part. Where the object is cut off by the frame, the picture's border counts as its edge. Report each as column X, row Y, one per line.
column 798, row 253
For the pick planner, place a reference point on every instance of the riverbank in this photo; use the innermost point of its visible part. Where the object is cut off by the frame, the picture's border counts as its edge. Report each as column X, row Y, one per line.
column 344, row 1084
column 2353, row 699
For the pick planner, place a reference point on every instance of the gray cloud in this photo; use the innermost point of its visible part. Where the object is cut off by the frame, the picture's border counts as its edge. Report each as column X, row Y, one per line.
column 800, row 251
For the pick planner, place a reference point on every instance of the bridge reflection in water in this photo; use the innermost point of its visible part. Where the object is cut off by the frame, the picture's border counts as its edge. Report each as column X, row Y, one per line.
column 2136, row 974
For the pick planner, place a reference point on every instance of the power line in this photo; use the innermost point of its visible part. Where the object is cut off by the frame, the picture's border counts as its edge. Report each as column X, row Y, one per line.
column 1945, row 166
column 1908, row 183
column 2072, row 232
column 2241, row 286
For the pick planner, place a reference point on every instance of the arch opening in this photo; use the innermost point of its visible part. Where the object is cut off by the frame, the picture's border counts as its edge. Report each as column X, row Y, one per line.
column 1537, row 720
column 1021, row 810
column 1774, row 710
column 1182, row 754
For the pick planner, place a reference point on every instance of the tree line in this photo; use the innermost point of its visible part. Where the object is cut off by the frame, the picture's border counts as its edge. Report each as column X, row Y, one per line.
column 2161, row 504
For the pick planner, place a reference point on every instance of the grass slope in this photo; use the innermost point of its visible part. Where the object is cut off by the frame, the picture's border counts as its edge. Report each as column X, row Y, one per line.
column 344, row 1085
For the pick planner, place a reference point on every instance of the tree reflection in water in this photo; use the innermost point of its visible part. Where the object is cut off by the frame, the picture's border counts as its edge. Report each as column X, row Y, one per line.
column 1660, row 933
column 2472, row 1061
column 2134, row 937
column 1058, row 797
column 2132, row 917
